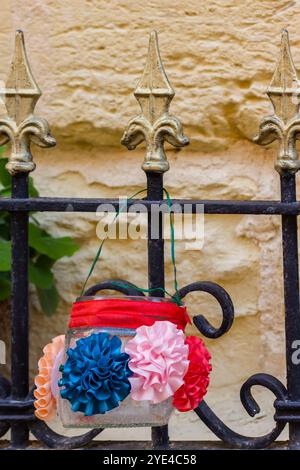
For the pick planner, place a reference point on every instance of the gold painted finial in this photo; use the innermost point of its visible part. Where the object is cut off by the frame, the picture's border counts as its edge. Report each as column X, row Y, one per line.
column 284, row 124
column 154, row 125
column 21, row 126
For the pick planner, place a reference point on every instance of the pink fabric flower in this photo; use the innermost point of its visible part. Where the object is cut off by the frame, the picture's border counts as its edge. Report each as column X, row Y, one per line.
column 159, row 360
column 45, row 392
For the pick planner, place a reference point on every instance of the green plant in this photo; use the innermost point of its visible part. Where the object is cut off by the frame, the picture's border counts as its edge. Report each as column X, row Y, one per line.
column 44, row 250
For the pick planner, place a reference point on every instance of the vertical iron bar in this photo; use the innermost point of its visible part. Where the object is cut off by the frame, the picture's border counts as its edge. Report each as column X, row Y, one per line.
column 19, row 307
column 291, row 298
column 156, row 274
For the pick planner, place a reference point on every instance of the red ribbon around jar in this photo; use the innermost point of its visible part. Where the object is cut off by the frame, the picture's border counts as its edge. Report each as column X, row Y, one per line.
column 126, row 313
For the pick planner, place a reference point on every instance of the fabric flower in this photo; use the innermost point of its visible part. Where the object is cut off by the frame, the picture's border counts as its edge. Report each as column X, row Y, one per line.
column 95, row 375
column 45, row 403
column 159, row 360
column 196, row 380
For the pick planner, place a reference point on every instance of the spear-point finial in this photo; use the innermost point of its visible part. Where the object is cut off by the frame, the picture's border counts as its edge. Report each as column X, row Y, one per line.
column 21, row 126
column 154, row 84
column 283, row 125
column 22, row 91
column 154, row 125
column 284, row 88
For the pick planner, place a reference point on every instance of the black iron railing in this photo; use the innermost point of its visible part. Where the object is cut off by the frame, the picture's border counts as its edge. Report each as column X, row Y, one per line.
column 16, row 403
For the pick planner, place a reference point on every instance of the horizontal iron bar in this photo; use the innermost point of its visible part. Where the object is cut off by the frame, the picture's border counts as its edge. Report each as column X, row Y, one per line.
column 8, row 404
column 287, row 418
column 91, row 205
column 147, row 445
column 18, row 417
column 287, row 411
column 17, row 410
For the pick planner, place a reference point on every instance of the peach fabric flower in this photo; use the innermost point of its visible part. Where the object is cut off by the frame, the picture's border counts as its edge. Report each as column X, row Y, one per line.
column 159, row 360
column 46, row 390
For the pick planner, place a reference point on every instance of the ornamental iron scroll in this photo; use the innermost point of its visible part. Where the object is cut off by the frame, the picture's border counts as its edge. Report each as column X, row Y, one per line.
column 21, row 127
column 155, row 126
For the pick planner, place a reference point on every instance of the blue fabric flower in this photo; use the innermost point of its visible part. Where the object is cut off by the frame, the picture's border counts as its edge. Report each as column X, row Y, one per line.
column 95, row 375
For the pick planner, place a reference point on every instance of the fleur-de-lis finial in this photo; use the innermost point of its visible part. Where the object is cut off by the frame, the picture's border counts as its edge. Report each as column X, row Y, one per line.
column 154, row 125
column 284, row 124
column 21, row 126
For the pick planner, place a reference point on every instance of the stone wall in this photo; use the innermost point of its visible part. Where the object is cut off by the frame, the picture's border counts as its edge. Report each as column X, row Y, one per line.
column 87, row 56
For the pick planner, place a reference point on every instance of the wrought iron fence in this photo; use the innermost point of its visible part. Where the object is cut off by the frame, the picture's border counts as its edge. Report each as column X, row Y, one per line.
column 154, row 126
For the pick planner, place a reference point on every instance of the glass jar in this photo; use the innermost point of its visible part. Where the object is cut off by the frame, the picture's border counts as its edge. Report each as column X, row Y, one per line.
column 110, row 315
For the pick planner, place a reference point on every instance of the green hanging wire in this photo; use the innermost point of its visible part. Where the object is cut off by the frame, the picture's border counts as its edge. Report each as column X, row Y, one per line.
column 169, row 202
column 176, row 298
column 98, row 254
column 148, row 291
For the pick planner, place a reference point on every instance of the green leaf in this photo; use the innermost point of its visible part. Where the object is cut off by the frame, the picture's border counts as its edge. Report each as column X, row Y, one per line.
column 54, row 248
column 4, row 286
column 5, row 178
column 33, row 192
column 40, row 273
column 5, row 255
column 4, row 226
column 49, row 299
column 34, row 219
column 45, row 262
column 5, row 192
column 5, row 181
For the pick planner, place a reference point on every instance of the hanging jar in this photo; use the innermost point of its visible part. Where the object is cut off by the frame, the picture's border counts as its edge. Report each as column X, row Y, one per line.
column 124, row 359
